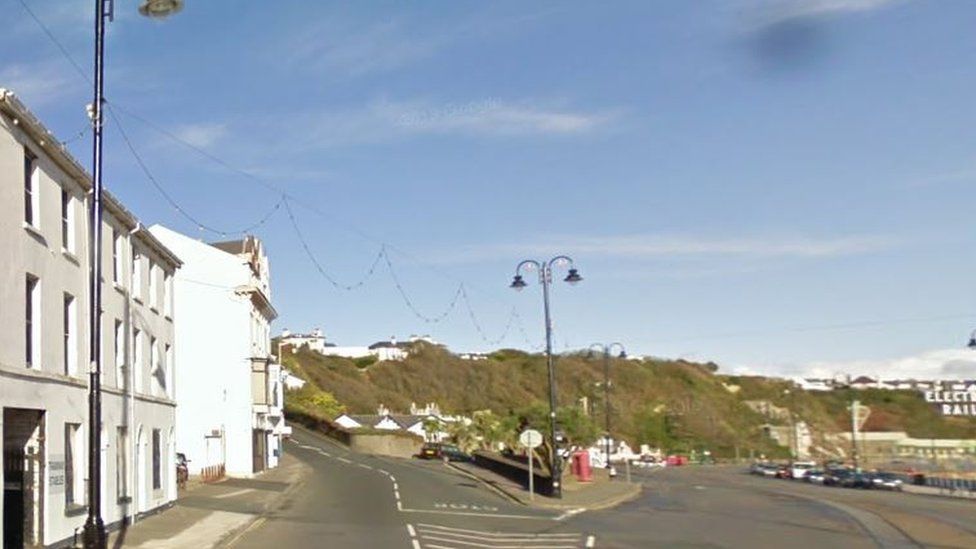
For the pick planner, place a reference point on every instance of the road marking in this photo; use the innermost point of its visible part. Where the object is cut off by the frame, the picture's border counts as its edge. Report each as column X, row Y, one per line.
column 385, row 472
column 590, row 541
column 235, row 493
column 570, row 513
column 464, row 506
column 364, row 466
column 469, row 514
column 435, row 536
column 413, row 537
column 344, row 460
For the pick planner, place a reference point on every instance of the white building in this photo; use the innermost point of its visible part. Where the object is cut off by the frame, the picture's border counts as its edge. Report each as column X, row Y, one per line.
column 314, row 341
column 44, row 342
column 231, row 397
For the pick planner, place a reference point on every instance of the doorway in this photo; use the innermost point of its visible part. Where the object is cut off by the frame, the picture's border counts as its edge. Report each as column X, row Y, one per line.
column 23, row 469
column 260, row 449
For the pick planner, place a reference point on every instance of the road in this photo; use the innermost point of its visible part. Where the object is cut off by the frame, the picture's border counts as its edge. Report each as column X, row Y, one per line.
column 353, row 500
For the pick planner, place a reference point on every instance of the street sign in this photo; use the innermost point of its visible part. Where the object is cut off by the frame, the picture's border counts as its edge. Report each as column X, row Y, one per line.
column 530, row 438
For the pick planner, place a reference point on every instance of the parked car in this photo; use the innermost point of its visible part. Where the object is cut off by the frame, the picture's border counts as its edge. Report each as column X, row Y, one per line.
column 783, row 471
column 439, row 450
column 857, row 480
column 799, row 468
column 814, row 476
column 886, row 481
column 836, row 477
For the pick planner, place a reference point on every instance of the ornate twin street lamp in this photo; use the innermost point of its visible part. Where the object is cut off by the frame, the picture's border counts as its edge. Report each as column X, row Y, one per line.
column 545, row 278
column 94, row 533
column 972, row 340
column 607, row 350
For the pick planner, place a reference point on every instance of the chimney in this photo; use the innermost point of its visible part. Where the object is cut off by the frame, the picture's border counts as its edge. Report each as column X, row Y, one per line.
column 317, row 332
column 393, row 340
column 286, row 332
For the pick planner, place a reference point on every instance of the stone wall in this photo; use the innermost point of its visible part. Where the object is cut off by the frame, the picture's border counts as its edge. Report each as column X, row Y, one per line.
column 383, row 444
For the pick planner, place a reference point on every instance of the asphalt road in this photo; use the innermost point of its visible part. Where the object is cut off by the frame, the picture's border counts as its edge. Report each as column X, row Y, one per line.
column 352, row 500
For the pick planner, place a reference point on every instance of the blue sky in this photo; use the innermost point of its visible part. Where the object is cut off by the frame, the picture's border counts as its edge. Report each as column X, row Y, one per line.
column 776, row 185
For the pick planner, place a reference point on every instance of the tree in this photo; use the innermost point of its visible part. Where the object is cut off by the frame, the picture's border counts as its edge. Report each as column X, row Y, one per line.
column 432, row 426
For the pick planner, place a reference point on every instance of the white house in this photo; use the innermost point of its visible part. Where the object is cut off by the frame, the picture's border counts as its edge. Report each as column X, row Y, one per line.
column 230, row 399
column 314, row 341
column 44, row 352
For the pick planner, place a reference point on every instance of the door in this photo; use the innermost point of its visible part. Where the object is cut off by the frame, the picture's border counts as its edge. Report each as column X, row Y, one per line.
column 23, row 471
column 259, row 446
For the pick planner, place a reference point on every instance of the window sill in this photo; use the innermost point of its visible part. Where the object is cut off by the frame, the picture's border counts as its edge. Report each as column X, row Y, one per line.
column 75, row 509
column 70, row 256
column 34, row 231
column 118, row 288
column 124, row 499
column 168, row 317
column 137, row 299
column 154, row 309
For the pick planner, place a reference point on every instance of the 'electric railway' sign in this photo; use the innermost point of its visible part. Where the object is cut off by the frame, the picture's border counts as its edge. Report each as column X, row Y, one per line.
column 954, row 403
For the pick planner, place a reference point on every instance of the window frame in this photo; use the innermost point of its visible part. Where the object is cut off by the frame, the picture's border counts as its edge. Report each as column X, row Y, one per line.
column 32, row 322
column 31, row 216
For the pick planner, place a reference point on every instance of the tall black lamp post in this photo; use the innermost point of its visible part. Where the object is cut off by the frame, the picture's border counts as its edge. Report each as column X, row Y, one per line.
column 545, row 279
column 94, row 532
column 607, row 350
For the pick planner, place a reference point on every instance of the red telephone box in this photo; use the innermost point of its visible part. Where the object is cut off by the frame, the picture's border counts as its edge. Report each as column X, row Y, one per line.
column 581, row 466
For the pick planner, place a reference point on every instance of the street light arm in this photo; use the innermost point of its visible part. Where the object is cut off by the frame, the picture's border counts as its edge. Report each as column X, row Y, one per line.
column 562, row 258
column 617, row 345
column 534, row 263
column 598, row 347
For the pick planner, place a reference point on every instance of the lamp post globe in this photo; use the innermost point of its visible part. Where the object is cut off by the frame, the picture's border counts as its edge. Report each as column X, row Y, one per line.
column 159, row 9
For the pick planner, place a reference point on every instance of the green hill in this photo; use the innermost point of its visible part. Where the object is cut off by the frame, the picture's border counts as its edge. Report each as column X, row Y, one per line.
column 677, row 405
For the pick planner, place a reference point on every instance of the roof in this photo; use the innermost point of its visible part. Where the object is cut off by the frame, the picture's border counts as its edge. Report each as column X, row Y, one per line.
column 405, row 421
column 863, row 379
column 389, row 345
column 23, row 118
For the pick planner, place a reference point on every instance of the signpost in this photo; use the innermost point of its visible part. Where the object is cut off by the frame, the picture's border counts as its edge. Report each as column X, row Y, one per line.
column 531, row 439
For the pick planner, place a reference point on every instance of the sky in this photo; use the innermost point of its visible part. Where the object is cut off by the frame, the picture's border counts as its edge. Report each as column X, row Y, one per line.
column 777, row 186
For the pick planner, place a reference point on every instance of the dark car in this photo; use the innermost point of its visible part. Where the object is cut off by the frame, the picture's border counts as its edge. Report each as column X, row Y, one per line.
column 836, row 477
column 439, row 450
column 886, row 481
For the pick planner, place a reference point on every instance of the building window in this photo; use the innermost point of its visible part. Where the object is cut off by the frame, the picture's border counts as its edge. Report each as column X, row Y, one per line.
column 157, row 480
column 67, row 221
column 70, row 322
column 136, row 274
column 168, row 294
column 119, row 354
column 116, row 256
column 32, row 323
column 122, row 463
column 153, row 290
column 168, row 370
column 154, row 371
column 137, row 360
column 74, row 471
column 30, row 188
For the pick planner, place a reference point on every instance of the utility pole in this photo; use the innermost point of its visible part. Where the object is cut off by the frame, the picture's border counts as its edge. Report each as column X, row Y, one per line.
column 854, row 429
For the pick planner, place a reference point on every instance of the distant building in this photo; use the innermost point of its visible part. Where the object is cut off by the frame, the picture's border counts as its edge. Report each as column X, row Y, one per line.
column 231, row 387
column 390, row 350
column 314, row 341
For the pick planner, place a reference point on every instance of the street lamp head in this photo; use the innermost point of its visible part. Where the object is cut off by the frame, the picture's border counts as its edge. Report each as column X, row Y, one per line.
column 158, row 9
column 623, row 354
column 573, row 277
column 517, row 283
column 972, row 342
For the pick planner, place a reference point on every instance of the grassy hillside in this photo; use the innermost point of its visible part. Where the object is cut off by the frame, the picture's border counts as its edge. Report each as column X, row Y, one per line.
column 675, row 404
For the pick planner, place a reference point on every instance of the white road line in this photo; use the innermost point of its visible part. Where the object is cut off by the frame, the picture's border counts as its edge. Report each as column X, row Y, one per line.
column 385, row 472
column 364, row 466
column 413, row 537
column 518, row 546
column 590, row 541
column 235, row 493
column 466, row 514
column 395, row 487
column 570, row 513
column 425, row 526
column 413, row 533
column 526, row 538
column 344, row 460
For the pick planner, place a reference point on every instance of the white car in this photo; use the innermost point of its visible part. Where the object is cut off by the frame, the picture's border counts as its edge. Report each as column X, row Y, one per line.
column 799, row 468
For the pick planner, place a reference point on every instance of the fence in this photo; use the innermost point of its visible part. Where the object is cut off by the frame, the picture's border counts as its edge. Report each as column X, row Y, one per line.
column 212, row 473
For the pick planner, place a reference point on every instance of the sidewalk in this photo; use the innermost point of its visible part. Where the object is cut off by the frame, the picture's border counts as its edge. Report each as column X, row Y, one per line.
column 938, row 492
column 205, row 515
column 601, row 493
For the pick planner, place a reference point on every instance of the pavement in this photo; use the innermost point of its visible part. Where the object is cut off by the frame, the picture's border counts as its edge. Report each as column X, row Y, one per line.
column 600, row 493
column 209, row 515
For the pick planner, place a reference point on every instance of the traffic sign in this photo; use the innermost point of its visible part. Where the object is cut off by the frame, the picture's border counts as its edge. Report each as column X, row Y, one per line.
column 530, row 438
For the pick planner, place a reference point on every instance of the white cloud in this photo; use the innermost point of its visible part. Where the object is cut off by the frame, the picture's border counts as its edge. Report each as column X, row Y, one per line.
column 383, row 121
column 39, row 84
column 668, row 245
column 201, row 135
column 937, row 364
